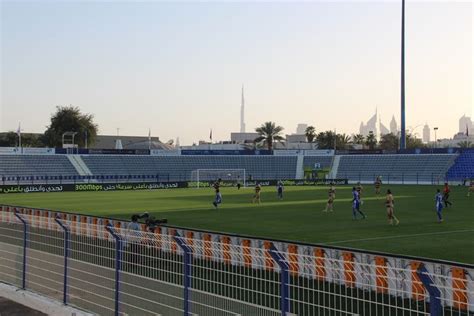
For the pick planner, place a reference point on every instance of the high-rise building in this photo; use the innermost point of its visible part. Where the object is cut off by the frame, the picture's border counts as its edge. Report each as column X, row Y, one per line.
column 301, row 128
column 382, row 129
column 426, row 133
column 371, row 126
column 393, row 126
column 242, row 112
column 375, row 125
column 466, row 125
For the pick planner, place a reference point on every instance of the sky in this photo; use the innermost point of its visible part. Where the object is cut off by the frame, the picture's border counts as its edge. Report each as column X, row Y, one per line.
column 177, row 68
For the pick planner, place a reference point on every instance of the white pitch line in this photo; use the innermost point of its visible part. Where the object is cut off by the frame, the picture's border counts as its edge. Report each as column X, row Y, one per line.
column 400, row 236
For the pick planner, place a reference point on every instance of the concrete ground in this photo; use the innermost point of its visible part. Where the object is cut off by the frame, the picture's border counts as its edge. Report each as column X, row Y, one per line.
column 10, row 308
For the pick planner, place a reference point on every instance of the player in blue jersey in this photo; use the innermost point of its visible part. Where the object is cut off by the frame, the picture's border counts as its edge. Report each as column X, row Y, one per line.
column 280, row 190
column 218, row 197
column 356, row 204
column 439, row 205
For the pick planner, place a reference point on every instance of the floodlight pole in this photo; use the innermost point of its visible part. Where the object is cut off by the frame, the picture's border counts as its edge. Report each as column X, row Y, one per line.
column 403, row 134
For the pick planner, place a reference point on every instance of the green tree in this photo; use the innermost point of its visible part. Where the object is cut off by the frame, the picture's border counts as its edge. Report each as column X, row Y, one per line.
column 358, row 139
column 269, row 133
column 371, row 141
column 389, row 142
column 413, row 142
column 70, row 119
column 326, row 140
column 343, row 141
column 310, row 133
column 9, row 139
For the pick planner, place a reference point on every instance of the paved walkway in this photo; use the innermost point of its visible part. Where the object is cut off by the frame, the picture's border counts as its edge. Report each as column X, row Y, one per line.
column 10, row 308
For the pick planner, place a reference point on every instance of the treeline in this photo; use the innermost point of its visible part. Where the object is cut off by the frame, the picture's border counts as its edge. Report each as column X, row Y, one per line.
column 270, row 133
column 66, row 119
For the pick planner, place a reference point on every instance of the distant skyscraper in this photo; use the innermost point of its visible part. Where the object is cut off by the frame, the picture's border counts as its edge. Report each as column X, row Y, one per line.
column 371, row 126
column 466, row 125
column 301, row 128
column 393, row 126
column 375, row 125
column 426, row 133
column 382, row 129
column 242, row 112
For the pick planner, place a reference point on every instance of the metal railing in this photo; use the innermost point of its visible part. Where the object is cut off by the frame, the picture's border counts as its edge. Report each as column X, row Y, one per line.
column 102, row 266
column 396, row 178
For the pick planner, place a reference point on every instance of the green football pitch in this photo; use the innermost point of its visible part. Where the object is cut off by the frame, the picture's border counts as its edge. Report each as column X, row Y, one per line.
column 297, row 217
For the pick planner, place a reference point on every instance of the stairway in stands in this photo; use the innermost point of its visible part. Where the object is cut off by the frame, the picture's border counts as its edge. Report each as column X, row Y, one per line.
column 299, row 167
column 334, row 167
column 79, row 165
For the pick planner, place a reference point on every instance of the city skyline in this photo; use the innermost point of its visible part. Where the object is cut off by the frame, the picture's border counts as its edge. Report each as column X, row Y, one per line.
column 304, row 66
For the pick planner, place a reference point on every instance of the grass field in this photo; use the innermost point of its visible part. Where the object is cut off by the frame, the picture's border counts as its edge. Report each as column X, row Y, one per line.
column 298, row 217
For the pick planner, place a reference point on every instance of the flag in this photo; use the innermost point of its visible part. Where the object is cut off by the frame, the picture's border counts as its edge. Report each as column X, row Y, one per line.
column 210, row 135
column 149, row 138
column 18, row 132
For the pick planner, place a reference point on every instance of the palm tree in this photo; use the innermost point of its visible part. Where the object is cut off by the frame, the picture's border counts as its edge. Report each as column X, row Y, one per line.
column 358, row 139
column 343, row 141
column 310, row 133
column 269, row 133
column 465, row 144
column 326, row 140
column 371, row 141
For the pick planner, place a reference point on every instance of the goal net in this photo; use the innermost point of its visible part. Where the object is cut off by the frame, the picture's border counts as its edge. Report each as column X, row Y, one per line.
column 210, row 175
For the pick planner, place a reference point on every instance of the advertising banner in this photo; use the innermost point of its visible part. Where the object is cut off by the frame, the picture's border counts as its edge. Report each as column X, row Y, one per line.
column 131, row 186
column 85, row 187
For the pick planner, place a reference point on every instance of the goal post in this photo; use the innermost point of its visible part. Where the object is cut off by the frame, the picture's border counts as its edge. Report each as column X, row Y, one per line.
column 226, row 175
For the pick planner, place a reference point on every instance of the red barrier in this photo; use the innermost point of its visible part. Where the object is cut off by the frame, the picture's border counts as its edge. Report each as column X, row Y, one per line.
column 349, row 270
column 320, row 270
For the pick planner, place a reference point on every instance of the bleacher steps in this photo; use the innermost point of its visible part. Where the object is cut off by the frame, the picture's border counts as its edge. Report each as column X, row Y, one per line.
column 334, row 167
column 299, row 167
column 79, row 165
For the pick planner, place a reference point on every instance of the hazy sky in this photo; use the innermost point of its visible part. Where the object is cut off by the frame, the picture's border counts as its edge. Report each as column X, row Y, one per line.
column 178, row 67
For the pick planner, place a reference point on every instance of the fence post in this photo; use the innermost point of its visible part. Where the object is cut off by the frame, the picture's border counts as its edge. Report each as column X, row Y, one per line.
column 118, row 261
column 25, row 238
column 435, row 294
column 188, row 252
column 285, row 279
column 66, row 254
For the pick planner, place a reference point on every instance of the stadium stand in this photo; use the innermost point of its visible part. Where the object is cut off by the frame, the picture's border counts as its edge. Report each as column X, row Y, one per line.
column 179, row 168
column 463, row 167
column 427, row 168
column 324, row 161
column 36, row 165
column 394, row 168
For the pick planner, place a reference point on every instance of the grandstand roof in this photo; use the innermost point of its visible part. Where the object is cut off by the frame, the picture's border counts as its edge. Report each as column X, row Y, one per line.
column 147, row 145
column 128, row 142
